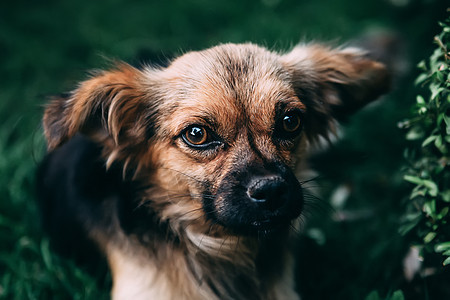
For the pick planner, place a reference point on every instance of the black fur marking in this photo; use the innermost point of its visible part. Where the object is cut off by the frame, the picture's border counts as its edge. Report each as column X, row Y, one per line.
column 76, row 194
column 242, row 215
column 254, row 147
column 71, row 185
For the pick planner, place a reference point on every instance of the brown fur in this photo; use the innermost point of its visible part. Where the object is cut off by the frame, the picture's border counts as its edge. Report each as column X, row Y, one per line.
column 236, row 90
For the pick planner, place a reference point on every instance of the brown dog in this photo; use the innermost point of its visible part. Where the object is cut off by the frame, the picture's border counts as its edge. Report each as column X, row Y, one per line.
column 185, row 177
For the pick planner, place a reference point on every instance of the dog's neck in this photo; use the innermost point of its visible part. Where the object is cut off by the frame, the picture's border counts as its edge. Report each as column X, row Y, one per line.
column 195, row 265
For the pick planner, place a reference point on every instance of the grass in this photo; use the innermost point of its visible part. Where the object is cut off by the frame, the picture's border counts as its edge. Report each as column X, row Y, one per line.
column 47, row 46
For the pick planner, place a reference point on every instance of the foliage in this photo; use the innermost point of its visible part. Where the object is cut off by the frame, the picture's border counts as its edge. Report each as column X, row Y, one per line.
column 47, row 46
column 428, row 215
column 397, row 295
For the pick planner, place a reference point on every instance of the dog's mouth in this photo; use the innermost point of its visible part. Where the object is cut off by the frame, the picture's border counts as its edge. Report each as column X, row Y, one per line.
column 269, row 226
column 265, row 227
column 250, row 220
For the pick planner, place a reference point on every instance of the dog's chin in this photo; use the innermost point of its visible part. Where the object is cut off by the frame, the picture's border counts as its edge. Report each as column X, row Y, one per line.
column 268, row 228
column 260, row 228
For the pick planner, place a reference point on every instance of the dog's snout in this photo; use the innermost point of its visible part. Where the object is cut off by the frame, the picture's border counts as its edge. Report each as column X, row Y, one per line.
column 268, row 192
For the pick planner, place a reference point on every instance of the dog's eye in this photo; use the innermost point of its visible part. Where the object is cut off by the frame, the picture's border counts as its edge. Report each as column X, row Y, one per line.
column 289, row 125
column 200, row 138
column 196, row 135
column 291, row 122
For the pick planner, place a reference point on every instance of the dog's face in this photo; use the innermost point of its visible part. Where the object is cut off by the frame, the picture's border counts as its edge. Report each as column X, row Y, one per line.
column 218, row 134
column 235, row 126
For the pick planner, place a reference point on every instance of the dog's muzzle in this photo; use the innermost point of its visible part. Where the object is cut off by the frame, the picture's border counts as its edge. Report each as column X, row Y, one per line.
column 255, row 201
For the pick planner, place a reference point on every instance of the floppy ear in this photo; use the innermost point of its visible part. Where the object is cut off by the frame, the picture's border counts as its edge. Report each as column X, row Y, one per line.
column 112, row 107
column 333, row 83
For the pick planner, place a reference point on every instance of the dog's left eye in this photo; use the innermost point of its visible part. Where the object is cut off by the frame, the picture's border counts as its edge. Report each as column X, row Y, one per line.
column 291, row 122
column 289, row 125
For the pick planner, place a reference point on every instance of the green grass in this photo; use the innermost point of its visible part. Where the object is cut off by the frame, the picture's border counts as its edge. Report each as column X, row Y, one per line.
column 47, row 46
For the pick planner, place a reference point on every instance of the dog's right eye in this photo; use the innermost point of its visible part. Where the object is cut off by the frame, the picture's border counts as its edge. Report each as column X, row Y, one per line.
column 200, row 137
column 195, row 135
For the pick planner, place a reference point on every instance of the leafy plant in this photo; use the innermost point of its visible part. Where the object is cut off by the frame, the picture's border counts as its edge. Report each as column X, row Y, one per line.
column 428, row 216
column 397, row 295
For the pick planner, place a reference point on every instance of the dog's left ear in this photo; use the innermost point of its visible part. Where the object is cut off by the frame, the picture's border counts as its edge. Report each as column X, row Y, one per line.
column 333, row 83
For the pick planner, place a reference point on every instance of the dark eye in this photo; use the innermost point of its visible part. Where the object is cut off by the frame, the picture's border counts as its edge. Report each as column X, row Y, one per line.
column 195, row 135
column 291, row 122
column 289, row 125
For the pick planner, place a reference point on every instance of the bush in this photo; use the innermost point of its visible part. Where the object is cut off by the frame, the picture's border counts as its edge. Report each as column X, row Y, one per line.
column 427, row 218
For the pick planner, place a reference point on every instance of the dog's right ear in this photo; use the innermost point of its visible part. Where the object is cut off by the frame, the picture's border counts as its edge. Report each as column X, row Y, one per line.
column 112, row 104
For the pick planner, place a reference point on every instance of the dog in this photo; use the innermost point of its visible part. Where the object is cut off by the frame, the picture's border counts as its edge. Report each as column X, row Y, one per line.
column 185, row 177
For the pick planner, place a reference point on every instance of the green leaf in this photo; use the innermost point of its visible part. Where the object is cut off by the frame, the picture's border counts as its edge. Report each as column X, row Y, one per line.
column 443, row 213
column 439, row 76
column 429, row 140
column 435, row 90
column 413, row 179
column 413, row 135
column 430, row 208
column 429, row 237
column 411, row 221
column 442, row 247
column 445, row 195
column 447, row 124
column 398, row 295
column 420, row 100
column 403, row 230
column 432, row 187
column 46, row 256
column 418, row 192
column 439, row 118
column 420, row 79
column 373, row 296
column 438, row 142
column 423, row 110
column 446, row 261
column 422, row 65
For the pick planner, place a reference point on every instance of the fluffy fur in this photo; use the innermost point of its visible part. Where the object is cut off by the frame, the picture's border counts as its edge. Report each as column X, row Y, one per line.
column 177, row 220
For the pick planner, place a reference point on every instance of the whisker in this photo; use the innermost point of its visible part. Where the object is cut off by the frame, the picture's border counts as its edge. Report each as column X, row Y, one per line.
column 164, row 197
column 190, row 211
column 221, row 246
column 294, row 229
column 201, row 182
column 170, row 197
column 318, row 206
column 311, row 179
column 302, row 224
column 312, row 200
column 237, row 244
column 200, row 244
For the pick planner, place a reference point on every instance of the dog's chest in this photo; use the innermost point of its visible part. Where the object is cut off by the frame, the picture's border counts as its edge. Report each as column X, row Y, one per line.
column 177, row 278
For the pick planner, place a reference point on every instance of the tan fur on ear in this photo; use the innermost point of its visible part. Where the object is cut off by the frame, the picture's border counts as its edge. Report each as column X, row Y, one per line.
column 348, row 68
column 334, row 82
column 108, row 104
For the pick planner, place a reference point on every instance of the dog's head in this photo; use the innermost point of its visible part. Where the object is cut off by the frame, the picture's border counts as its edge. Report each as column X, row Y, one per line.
column 218, row 133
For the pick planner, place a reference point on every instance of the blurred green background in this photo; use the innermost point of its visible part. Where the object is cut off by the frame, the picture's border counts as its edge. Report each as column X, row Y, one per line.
column 349, row 248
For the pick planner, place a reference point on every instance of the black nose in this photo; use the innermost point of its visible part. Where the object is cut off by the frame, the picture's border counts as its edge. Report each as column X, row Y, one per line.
column 268, row 192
